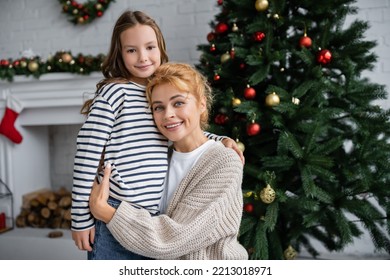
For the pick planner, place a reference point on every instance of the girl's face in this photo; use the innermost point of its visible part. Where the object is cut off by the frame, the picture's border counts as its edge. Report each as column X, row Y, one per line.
column 140, row 52
column 177, row 116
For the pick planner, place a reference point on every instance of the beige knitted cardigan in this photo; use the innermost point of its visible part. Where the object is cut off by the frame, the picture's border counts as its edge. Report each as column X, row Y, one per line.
column 202, row 220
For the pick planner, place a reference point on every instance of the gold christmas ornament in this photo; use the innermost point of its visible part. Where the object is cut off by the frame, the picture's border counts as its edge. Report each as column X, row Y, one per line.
column 241, row 146
column 66, row 57
column 235, row 27
column 290, row 253
column 272, row 99
column 267, row 194
column 33, row 66
column 23, row 64
column 261, row 5
column 225, row 57
column 236, row 101
column 248, row 194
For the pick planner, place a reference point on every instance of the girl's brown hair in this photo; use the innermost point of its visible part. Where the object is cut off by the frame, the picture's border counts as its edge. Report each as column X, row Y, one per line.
column 113, row 67
column 184, row 78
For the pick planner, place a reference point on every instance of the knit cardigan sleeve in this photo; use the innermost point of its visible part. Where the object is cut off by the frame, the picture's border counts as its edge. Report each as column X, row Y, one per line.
column 206, row 207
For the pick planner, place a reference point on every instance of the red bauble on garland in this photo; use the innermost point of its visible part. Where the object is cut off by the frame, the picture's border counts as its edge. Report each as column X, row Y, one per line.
column 4, row 62
column 253, row 129
column 324, row 57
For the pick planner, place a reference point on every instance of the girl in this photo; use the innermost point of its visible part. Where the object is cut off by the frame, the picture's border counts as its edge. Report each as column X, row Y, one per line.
column 202, row 197
column 120, row 130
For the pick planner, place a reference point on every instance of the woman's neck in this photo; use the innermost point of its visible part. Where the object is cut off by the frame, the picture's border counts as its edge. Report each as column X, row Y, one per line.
column 189, row 144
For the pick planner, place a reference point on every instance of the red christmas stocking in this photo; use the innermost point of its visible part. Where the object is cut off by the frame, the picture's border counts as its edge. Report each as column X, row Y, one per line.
column 7, row 125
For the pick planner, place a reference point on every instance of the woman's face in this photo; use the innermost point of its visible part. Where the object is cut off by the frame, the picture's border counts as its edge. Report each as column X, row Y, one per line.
column 177, row 116
column 140, row 52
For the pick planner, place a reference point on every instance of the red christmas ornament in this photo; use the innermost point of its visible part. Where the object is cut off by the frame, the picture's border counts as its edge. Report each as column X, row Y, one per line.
column 4, row 62
column 232, row 53
column 324, row 56
column 258, row 36
column 220, row 2
column 221, row 119
column 248, row 207
column 242, row 66
column 81, row 59
column 99, row 13
column 221, row 28
column 253, row 129
column 212, row 48
column 210, row 36
column 305, row 42
column 249, row 93
column 216, row 77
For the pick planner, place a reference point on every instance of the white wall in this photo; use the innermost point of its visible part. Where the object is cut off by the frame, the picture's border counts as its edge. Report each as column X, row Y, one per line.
column 40, row 26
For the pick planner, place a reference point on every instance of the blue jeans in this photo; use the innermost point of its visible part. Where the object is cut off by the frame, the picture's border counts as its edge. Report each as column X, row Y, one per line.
column 106, row 247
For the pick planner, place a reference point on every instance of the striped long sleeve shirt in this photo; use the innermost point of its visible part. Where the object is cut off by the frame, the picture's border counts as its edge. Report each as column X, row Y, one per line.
column 120, row 127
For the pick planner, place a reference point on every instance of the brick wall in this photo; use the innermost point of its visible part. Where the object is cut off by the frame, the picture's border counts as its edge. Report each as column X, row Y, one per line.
column 40, row 26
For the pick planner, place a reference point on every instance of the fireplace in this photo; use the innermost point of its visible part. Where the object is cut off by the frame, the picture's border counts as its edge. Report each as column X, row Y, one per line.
column 51, row 105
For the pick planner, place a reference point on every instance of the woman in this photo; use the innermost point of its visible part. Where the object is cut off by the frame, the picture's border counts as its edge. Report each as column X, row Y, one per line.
column 202, row 200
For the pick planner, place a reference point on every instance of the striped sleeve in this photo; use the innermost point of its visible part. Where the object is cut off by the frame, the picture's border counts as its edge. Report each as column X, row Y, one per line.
column 91, row 141
column 214, row 136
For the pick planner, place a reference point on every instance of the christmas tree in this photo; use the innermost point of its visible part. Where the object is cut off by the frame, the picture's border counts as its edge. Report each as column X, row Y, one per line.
column 288, row 85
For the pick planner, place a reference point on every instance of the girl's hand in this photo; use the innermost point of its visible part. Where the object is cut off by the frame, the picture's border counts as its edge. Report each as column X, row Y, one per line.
column 84, row 239
column 98, row 205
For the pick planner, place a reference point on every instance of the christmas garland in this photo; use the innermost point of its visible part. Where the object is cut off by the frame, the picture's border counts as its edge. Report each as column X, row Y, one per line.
column 82, row 13
column 62, row 61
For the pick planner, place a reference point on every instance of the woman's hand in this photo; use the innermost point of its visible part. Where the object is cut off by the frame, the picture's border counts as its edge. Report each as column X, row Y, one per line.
column 230, row 143
column 98, row 205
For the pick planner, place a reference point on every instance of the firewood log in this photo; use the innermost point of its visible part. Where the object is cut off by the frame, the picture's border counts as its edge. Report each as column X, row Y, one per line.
column 45, row 212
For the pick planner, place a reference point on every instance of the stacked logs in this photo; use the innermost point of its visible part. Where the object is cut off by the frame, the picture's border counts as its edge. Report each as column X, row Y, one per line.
column 46, row 209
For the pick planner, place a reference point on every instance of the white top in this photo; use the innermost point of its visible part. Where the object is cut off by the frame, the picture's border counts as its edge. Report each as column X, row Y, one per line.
column 179, row 165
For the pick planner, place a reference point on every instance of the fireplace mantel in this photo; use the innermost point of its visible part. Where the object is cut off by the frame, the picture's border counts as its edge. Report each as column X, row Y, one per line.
column 54, row 98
